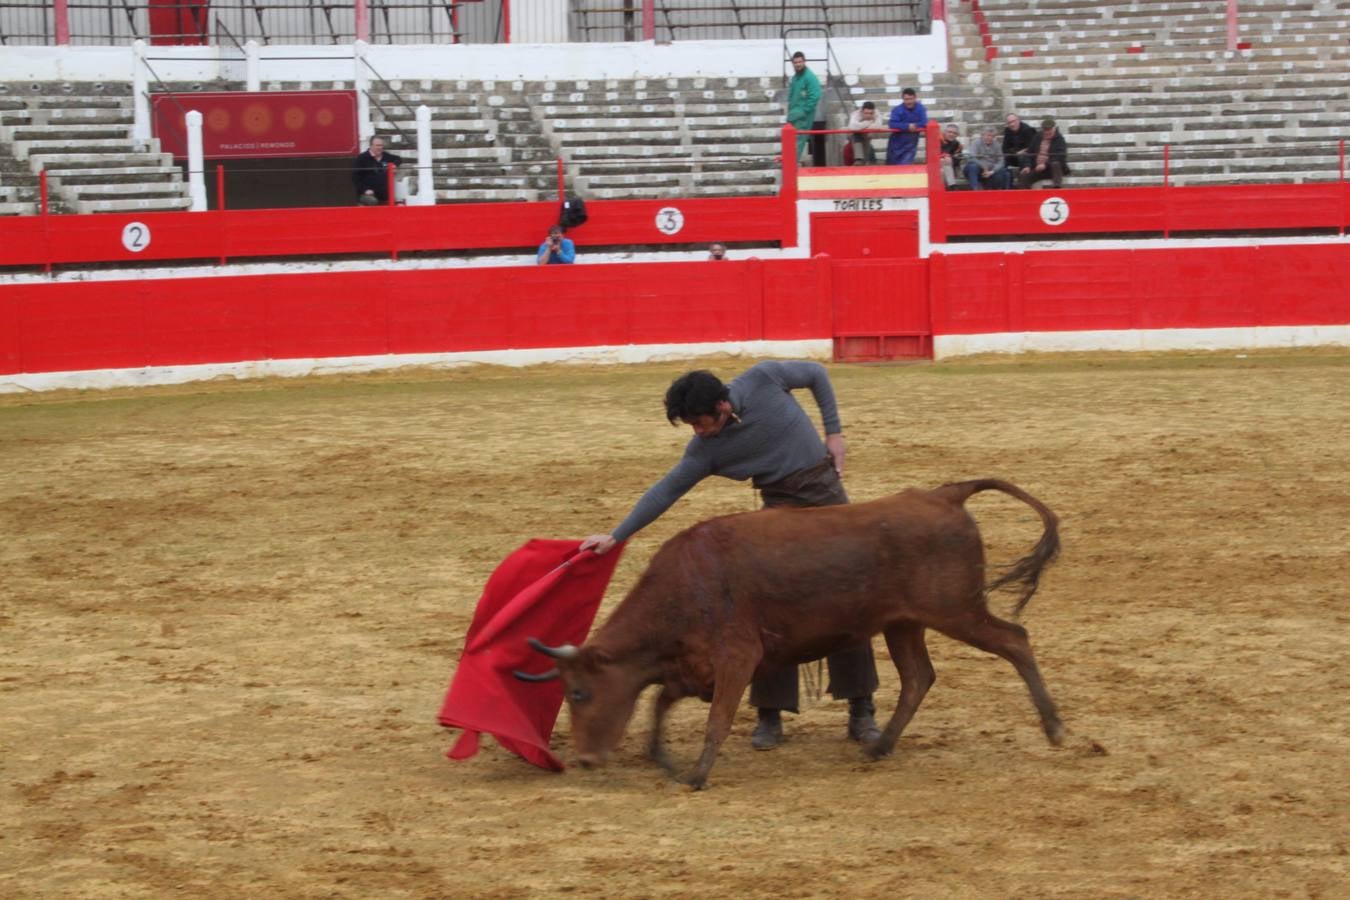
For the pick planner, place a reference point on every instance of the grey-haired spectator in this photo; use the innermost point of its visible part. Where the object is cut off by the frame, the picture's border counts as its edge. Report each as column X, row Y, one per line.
column 985, row 168
column 1017, row 137
column 951, row 153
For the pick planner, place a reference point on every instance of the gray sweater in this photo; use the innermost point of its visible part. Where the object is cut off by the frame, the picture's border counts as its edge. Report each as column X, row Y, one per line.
column 989, row 156
column 773, row 439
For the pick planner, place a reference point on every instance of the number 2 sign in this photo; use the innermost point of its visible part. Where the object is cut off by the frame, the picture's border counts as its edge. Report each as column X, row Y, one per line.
column 136, row 236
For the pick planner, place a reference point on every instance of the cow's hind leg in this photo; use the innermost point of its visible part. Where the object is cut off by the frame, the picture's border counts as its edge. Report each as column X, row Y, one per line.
column 730, row 679
column 1009, row 640
column 656, row 748
column 910, row 655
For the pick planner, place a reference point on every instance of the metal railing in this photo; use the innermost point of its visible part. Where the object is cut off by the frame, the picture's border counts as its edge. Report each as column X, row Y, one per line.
column 116, row 22
column 684, row 20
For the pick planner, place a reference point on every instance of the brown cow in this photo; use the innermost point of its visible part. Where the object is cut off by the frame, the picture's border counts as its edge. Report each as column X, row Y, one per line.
column 738, row 596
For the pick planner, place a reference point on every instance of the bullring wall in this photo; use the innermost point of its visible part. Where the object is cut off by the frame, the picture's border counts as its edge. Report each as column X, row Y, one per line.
column 107, row 332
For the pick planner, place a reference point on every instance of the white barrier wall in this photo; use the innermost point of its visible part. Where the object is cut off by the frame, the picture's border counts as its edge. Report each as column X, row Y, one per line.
column 539, row 21
column 482, row 62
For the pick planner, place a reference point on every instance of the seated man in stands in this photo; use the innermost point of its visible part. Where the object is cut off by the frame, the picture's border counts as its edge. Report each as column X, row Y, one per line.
column 717, row 251
column 556, row 249
column 985, row 167
column 863, row 117
column 370, row 175
column 1047, row 157
column 950, row 148
column 1017, row 138
column 909, row 118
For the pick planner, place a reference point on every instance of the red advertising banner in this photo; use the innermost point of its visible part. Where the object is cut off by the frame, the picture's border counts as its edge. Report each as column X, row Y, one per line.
column 247, row 125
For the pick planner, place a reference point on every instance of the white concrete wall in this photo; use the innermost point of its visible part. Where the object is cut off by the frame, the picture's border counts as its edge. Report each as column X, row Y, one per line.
column 539, row 21
column 481, row 62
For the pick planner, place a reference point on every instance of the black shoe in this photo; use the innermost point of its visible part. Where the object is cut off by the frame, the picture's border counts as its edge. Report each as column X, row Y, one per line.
column 862, row 726
column 769, row 732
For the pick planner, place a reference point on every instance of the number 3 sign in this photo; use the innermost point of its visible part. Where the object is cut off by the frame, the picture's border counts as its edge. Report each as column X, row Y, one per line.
column 669, row 220
column 1055, row 211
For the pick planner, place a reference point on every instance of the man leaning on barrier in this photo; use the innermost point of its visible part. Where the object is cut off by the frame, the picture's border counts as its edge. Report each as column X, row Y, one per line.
column 370, row 175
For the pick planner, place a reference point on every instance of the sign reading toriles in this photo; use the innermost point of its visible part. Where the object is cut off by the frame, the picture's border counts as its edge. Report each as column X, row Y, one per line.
column 261, row 125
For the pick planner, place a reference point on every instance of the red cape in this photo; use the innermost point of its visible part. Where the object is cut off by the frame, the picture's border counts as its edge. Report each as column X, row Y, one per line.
column 546, row 590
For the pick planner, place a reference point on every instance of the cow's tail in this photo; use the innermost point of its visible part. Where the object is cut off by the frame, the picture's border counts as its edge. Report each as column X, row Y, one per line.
column 1026, row 572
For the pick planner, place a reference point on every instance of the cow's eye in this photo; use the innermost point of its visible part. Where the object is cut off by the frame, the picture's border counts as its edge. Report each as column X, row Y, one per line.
column 579, row 695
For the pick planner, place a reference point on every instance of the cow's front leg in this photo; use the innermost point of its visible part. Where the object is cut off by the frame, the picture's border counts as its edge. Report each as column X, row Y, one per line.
column 656, row 748
column 729, row 682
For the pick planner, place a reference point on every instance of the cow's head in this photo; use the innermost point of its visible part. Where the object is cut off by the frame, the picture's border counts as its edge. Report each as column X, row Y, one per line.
column 600, row 696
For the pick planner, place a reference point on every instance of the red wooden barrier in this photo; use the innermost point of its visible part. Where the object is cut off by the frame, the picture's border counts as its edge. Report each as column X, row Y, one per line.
column 387, row 229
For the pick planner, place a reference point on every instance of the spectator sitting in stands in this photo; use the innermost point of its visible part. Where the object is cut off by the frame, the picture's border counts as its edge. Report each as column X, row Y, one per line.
column 556, row 249
column 369, row 175
column 717, row 252
column 909, row 118
column 950, row 148
column 863, row 117
column 1048, row 157
column 985, row 164
column 1017, row 138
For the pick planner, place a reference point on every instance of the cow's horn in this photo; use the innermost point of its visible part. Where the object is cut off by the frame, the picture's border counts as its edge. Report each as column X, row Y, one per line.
column 566, row 651
column 542, row 676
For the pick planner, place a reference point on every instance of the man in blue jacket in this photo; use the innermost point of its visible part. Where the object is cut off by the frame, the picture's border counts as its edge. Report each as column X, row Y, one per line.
column 556, row 249
column 910, row 118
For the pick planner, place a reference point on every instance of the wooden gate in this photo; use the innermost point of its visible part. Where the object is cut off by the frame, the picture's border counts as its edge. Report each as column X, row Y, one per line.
column 878, row 285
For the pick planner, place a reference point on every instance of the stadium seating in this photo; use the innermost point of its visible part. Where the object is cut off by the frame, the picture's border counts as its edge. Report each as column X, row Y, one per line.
column 1126, row 78
column 81, row 135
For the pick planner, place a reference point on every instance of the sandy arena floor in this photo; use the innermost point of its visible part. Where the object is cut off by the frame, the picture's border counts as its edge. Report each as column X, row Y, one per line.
column 229, row 612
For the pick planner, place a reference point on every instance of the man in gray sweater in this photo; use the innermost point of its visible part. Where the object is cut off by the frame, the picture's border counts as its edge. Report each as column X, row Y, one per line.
column 754, row 428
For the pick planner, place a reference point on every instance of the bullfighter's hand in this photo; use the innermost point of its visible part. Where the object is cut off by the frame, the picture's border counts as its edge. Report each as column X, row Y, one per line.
column 599, row 544
column 836, row 446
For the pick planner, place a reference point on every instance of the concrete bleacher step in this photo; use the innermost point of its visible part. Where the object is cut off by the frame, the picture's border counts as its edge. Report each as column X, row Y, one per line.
column 143, row 204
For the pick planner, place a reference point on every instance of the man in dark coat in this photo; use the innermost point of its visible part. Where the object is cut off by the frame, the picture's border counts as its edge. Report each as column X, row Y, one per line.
column 1047, row 157
column 1017, row 138
column 369, row 175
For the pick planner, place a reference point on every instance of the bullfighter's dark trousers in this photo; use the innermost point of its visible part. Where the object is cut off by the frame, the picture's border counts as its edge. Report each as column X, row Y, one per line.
column 853, row 672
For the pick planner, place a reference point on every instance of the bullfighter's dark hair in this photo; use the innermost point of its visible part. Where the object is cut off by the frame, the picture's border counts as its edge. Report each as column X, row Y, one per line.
column 694, row 394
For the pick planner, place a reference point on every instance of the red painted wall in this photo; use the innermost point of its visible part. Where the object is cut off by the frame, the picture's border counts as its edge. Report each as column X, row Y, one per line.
column 1084, row 290
column 71, row 326
column 238, row 234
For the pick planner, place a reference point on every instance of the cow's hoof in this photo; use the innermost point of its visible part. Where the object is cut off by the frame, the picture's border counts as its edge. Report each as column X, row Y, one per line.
column 875, row 750
column 695, row 782
column 662, row 759
column 1054, row 732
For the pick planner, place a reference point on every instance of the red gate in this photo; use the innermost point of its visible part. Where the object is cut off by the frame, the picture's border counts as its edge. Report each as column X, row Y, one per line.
column 878, row 285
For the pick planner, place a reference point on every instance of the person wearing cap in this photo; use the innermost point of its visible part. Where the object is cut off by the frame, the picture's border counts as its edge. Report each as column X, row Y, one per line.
column 1047, row 157
column 863, row 118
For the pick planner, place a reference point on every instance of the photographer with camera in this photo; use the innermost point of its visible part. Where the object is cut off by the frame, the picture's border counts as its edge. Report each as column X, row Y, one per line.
column 556, row 249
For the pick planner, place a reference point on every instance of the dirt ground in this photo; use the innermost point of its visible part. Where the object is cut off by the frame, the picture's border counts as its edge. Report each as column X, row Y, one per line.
column 229, row 612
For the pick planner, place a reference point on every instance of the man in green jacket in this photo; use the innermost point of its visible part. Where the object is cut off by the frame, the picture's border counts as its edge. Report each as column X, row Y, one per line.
column 803, row 95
